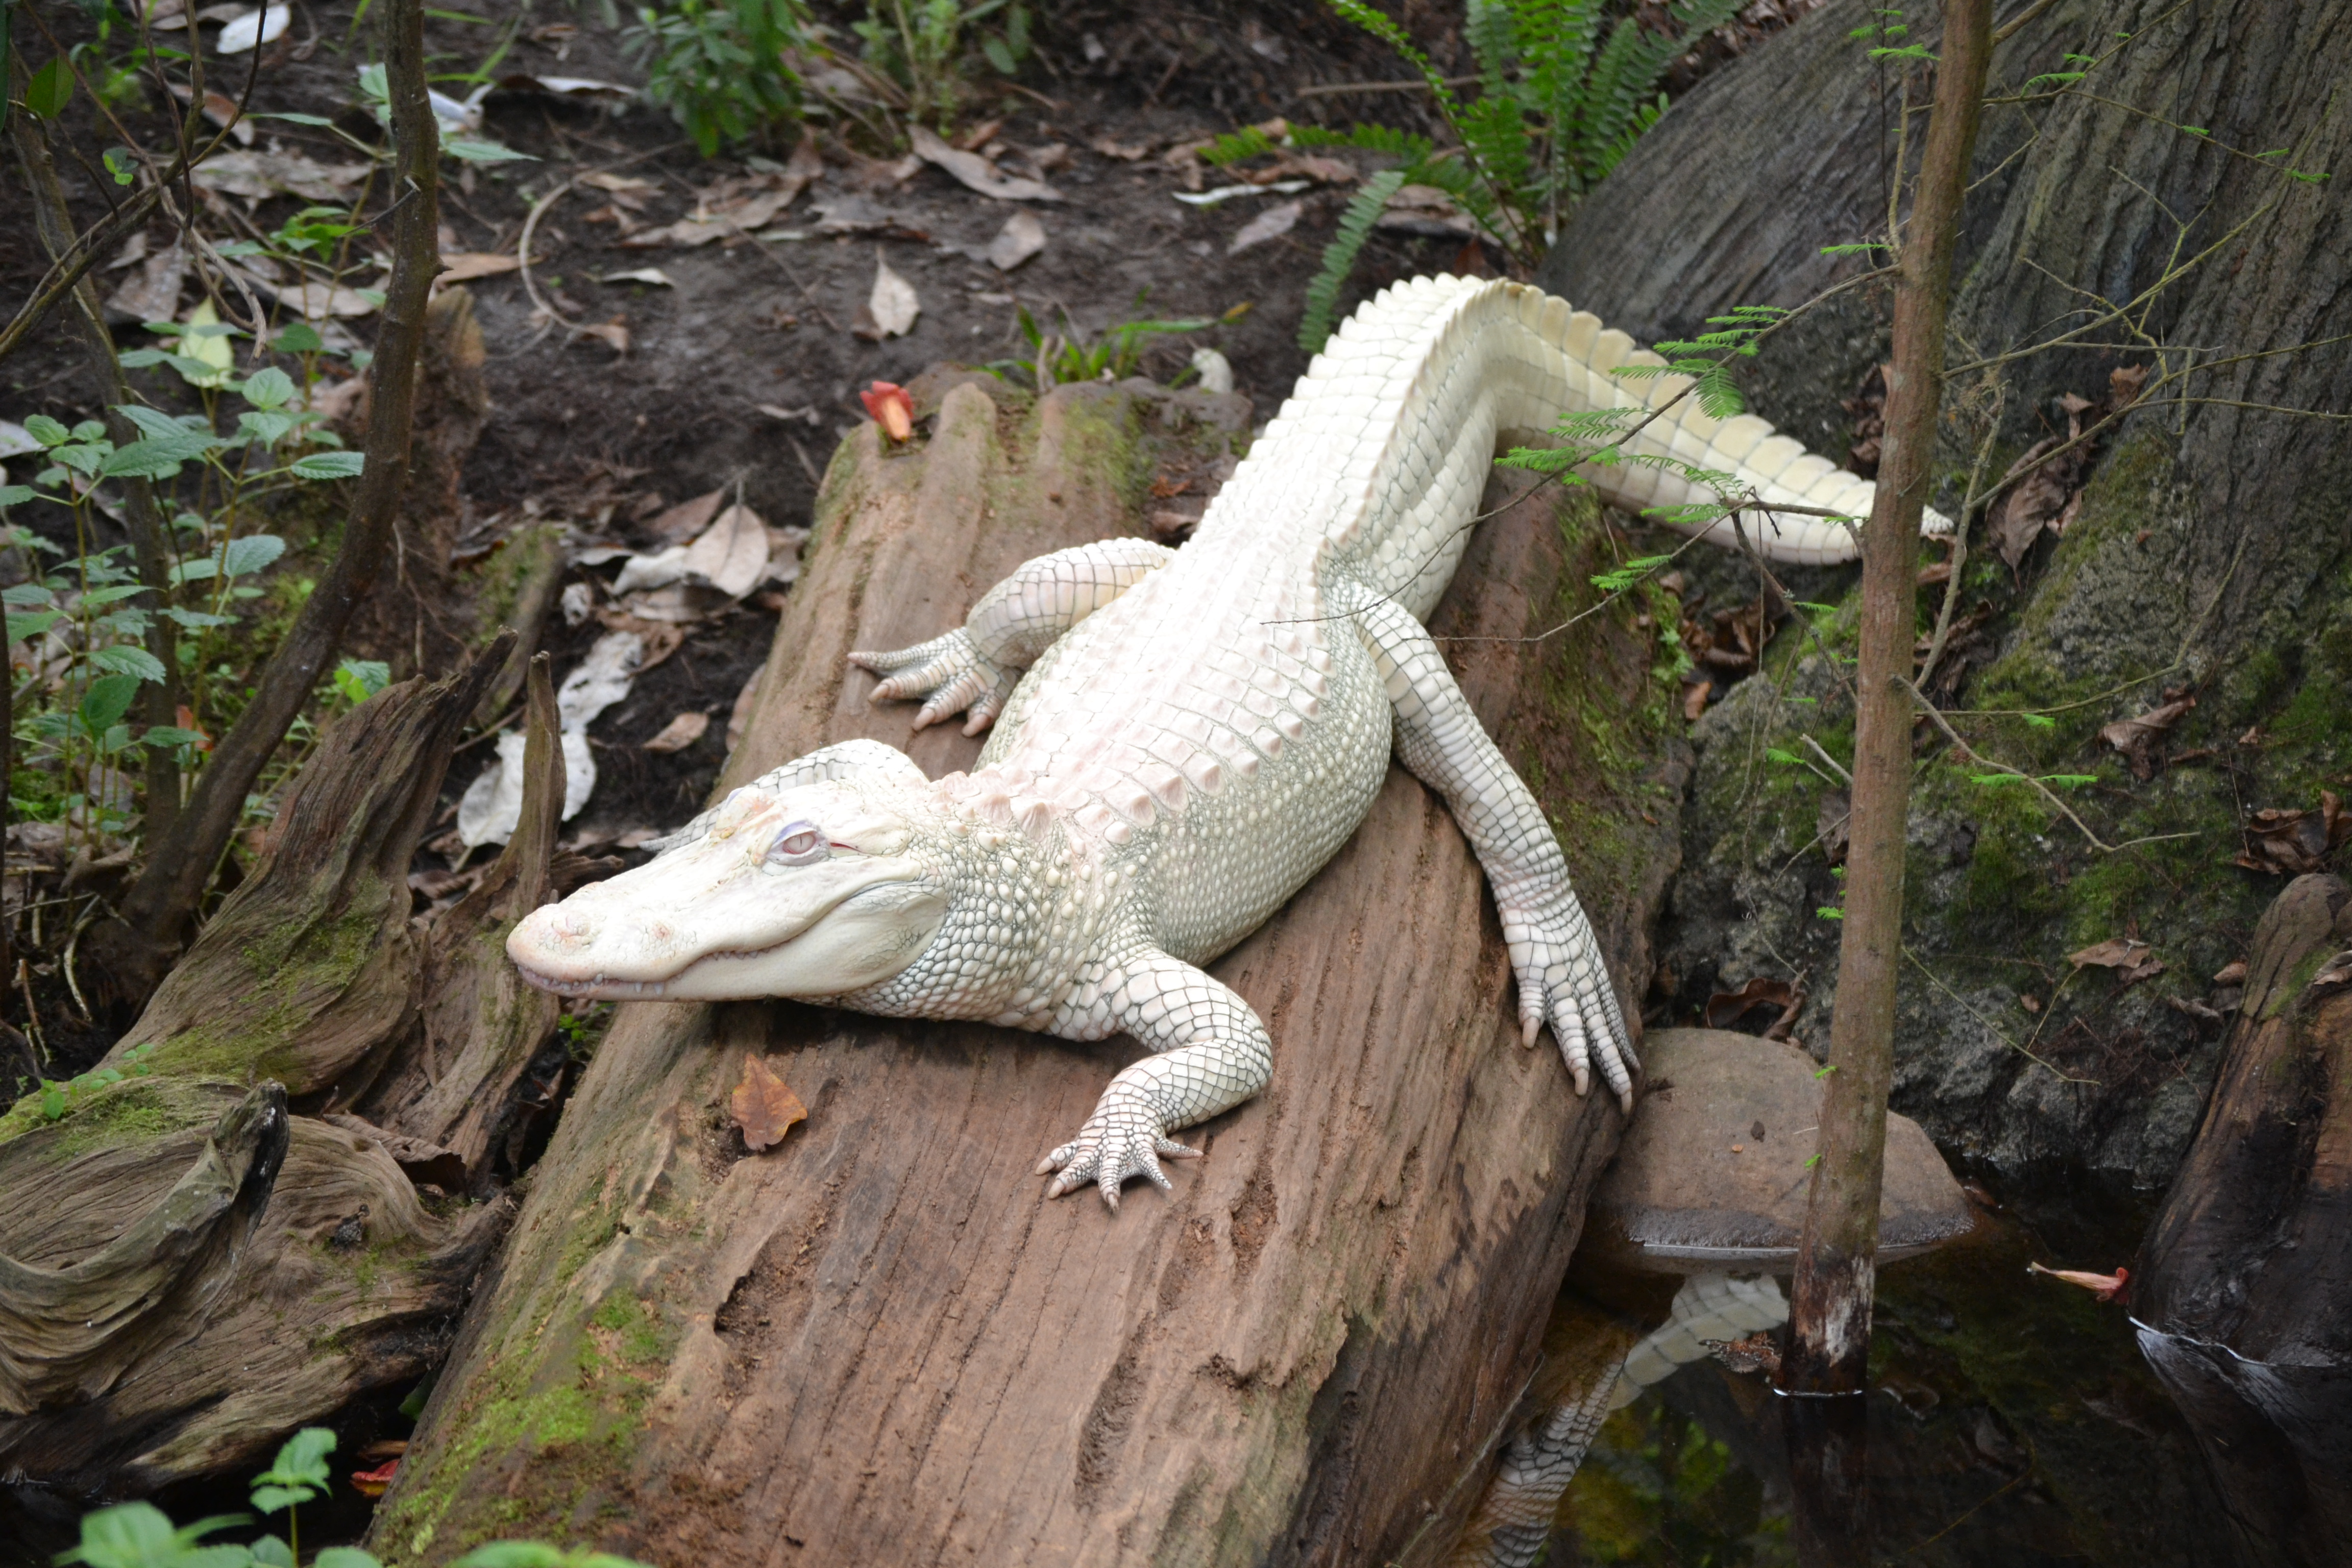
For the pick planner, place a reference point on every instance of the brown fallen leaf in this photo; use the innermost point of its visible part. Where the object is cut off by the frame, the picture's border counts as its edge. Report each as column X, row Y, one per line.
column 2107, row 1286
column 1725, row 1009
column 462, row 266
column 2136, row 738
column 2231, row 974
column 975, row 171
column 614, row 332
column 1272, row 224
column 1833, row 820
column 680, row 734
column 687, row 517
column 2130, row 958
column 732, row 554
column 764, row 1108
column 2294, row 843
column 1759, row 1352
column 1868, row 407
column 1124, row 152
column 1022, row 237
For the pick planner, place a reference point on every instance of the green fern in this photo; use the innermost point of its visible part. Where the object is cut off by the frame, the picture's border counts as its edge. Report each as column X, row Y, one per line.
column 1559, row 106
column 1364, row 209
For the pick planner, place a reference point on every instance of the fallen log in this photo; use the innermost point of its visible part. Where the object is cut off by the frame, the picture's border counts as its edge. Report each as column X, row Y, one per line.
column 877, row 1342
column 2240, row 1290
column 187, row 1271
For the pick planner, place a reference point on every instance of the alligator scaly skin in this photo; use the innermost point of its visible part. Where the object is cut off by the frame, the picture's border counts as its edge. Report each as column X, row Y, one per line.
column 1183, row 738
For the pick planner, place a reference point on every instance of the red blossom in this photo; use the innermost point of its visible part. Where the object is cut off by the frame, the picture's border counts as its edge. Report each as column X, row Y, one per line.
column 891, row 408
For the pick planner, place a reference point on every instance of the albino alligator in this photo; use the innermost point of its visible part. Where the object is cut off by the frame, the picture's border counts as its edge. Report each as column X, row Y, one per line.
column 1198, row 731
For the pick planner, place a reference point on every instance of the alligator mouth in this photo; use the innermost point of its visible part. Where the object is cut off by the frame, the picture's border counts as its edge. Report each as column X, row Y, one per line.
column 606, row 988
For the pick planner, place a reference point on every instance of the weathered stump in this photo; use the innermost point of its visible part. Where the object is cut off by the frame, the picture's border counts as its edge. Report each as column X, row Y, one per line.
column 2244, row 1278
column 188, row 1272
column 877, row 1342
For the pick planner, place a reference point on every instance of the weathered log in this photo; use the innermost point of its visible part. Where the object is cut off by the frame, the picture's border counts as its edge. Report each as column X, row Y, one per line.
column 186, row 1272
column 2243, row 1284
column 877, row 1342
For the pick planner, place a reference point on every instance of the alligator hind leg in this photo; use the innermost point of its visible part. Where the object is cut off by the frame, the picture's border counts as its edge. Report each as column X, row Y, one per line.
column 972, row 670
column 1562, row 981
column 1211, row 1052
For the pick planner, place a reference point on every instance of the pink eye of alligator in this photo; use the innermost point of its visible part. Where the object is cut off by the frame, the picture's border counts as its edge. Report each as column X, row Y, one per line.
column 799, row 843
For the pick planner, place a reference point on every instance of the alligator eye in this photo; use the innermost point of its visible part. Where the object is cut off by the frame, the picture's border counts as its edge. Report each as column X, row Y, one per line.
column 798, row 844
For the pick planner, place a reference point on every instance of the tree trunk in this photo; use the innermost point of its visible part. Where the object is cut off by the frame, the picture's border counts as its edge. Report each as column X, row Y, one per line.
column 877, row 1342
column 2207, row 554
column 2241, row 1286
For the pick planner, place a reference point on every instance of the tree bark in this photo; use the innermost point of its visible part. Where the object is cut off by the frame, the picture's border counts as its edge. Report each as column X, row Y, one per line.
column 134, row 951
column 1829, row 1339
column 877, row 1342
column 2241, row 1289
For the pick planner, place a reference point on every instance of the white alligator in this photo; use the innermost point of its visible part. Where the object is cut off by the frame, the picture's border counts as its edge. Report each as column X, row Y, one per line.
column 1183, row 737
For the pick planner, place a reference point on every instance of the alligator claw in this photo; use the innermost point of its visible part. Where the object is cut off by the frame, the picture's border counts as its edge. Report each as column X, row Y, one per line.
column 1563, row 983
column 1120, row 1140
column 948, row 672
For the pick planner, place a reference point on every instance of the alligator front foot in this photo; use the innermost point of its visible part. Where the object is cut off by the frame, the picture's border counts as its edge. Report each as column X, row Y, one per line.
column 1563, row 983
column 950, row 673
column 1125, row 1137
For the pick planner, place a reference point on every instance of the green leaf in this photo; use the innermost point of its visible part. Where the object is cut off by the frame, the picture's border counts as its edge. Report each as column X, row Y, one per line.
column 298, row 338
column 27, row 594
column 2040, row 720
column 2069, row 780
column 25, row 628
column 268, row 388
column 1786, row 758
column 139, row 359
column 329, row 465
column 197, row 619
column 1994, row 781
column 361, row 678
column 171, row 735
column 272, row 1553
column 266, row 426
column 293, row 118
column 46, row 430
column 1830, row 914
column 16, row 495
column 243, row 557
column 1000, row 56
column 269, row 1499
column 120, row 163
column 112, row 594
column 301, row 1462
column 511, row 1554
column 343, row 1557
column 128, row 658
column 50, row 89
column 106, row 700
column 480, row 150
column 1364, row 211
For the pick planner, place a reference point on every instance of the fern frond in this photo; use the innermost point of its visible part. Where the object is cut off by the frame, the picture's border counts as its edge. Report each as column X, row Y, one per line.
column 1236, row 146
column 1364, row 209
column 1382, row 27
column 1408, row 145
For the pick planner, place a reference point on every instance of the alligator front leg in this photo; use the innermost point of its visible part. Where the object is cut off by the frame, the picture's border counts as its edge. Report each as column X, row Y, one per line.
column 1562, row 979
column 1210, row 1054
column 972, row 669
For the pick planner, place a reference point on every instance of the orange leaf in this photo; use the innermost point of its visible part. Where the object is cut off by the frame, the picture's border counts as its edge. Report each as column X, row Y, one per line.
column 373, row 1482
column 764, row 1108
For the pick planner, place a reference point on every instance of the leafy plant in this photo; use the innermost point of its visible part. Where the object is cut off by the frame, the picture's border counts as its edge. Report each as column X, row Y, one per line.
column 85, row 620
column 719, row 65
column 140, row 1535
column 921, row 46
column 1068, row 354
column 1560, row 101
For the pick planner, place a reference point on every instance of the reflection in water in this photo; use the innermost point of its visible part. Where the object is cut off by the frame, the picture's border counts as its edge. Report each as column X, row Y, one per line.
column 2013, row 1424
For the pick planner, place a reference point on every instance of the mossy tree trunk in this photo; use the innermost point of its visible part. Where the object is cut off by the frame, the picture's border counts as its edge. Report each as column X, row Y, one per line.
column 2210, row 554
column 878, row 1342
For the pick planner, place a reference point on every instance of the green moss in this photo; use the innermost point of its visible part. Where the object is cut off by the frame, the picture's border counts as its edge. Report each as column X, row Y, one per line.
column 293, row 971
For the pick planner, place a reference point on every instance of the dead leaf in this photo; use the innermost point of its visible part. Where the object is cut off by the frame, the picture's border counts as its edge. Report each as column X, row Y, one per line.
column 2295, row 843
column 1426, row 211
column 742, row 713
column 1124, row 152
column 890, row 310
column 2231, row 974
column 889, row 405
column 572, row 87
column 620, row 184
column 1725, row 1009
column 375, row 1482
column 732, row 554
column 324, row 301
column 688, row 518
column 258, row 176
column 1833, row 820
column 465, row 266
column 614, row 332
column 653, row 275
column 2123, row 386
column 1694, row 699
column 2136, row 738
column 1868, row 408
column 2021, row 514
column 2129, row 957
column 976, row 172
column 153, row 294
column 978, row 137
column 2107, row 1286
column 1022, row 237
column 1272, row 224
column 680, row 734
column 253, row 27
column 764, row 1107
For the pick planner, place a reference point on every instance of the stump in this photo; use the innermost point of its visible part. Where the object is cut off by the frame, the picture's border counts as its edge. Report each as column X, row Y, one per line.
column 877, row 1342
column 213, row 1250
column 2242, row 1281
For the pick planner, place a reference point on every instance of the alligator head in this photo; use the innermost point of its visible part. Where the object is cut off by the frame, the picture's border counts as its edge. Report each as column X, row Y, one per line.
column 816, row 889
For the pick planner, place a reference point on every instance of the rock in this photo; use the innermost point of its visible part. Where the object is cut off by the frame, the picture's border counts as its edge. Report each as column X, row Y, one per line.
column 1712, row 1175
